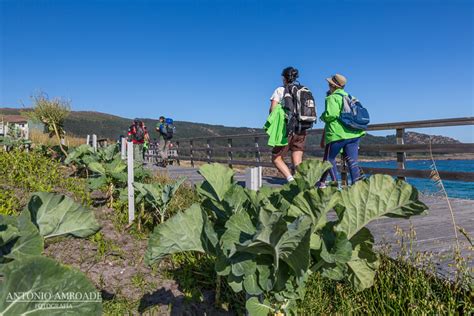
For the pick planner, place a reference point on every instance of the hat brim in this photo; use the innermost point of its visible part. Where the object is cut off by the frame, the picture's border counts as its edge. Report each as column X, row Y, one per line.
column 333, row 83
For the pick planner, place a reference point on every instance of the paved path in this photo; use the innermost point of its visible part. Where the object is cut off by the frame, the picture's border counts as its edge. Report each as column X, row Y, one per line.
column 434, row 232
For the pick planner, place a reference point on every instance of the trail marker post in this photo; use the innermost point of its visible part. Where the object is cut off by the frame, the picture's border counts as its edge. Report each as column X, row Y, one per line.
column 131, row 191
column 94, row 142
column 253, row 178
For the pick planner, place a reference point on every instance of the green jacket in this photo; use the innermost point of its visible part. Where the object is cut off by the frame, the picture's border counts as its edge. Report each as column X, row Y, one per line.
column 275, row 127
column 334, row 130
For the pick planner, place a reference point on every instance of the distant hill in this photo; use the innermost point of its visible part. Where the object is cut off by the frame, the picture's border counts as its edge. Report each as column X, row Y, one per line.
column 81, row 123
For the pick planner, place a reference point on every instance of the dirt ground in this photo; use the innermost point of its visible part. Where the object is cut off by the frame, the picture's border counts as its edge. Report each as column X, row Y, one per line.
column 121, row 274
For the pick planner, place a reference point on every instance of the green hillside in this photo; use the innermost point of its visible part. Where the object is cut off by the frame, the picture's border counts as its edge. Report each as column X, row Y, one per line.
column 81, row 123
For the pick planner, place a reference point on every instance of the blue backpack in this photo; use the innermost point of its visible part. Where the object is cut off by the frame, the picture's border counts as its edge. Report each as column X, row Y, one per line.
column 353, row 114
column 169, row 123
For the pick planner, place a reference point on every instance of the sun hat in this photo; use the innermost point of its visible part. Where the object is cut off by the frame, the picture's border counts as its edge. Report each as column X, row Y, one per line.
column 337, row 80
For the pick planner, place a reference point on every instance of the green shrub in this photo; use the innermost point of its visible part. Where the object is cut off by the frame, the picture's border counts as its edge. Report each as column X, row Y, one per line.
column 9, row 203
column 267, row 243
column 34, row 172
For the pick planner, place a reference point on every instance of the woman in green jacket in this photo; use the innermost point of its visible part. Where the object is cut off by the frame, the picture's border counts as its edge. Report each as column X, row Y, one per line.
column 336, row 136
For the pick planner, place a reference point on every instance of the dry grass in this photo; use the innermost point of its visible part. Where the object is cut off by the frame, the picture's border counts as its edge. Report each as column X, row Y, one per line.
column 40, row 138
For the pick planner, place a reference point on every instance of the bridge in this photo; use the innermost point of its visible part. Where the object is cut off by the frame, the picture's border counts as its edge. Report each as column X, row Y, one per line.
column 434, row 232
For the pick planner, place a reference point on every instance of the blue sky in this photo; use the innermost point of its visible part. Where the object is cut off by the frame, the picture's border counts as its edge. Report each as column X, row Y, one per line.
column 218, row 62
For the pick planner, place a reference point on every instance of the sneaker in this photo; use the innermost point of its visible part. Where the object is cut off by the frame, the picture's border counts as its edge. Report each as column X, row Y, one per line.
column 321, row 185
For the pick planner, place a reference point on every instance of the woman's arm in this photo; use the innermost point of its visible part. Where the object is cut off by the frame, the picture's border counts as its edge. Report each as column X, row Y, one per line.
column 273, row 103
column 333, row 110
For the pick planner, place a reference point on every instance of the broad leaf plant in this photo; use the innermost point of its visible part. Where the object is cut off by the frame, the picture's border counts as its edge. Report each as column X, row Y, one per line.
column 267, row 243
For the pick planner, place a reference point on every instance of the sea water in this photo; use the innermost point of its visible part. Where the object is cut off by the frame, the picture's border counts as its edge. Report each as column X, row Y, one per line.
column 455, row 189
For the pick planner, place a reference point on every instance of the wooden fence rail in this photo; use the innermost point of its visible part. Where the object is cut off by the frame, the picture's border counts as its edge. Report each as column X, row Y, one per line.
column 400, row 148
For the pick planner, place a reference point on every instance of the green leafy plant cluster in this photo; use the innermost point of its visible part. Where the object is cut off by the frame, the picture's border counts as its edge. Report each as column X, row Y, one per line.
column 104, row 169
column 9, row 143
column 25, row 270
column 32, row 172
column 9, row 203
column 268, row 243
column 157, row 197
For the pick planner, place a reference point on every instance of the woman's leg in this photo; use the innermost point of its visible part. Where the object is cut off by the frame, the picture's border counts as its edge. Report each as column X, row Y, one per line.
column 351, row 149
column 330, row 153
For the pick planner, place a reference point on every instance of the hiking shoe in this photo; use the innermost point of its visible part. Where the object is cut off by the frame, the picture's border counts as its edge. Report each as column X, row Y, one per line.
column 321, row 185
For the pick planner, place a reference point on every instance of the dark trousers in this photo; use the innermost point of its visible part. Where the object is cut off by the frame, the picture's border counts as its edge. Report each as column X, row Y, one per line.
column 351, row 154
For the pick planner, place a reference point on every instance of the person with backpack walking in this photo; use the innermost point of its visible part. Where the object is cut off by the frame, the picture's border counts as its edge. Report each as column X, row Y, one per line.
column 165, row 129
column 137, row 134
column 298, row 103
column 345, row 121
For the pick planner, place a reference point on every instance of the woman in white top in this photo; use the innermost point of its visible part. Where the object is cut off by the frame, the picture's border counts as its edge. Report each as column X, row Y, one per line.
column 296, row 141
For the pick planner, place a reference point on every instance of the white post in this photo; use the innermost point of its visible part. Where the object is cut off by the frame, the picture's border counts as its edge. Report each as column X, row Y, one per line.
column 253, row 178
column 131, row 191
column 88, row 139
column 123, row 143
column 94, row 142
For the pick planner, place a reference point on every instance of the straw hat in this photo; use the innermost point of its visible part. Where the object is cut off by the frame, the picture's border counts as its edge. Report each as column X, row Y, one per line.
column 337, row 80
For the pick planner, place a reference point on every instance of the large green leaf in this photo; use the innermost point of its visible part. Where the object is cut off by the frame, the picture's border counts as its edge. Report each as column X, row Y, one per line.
column 255, row 308
column 169, row 190
column 336, row 249
column 184, row 231
column 315, row 203
column 239, row 230
column 288, row 242
column 97, row 183
column 77, row 155
column 251, row 285
column 97, row 167
column 37, row 280
column 243, row 264
column 19, row 237
column 364, row 261
column 56, row 215
column 219, row 177
column 115, row 166
column 372, row 198
column 309, row 172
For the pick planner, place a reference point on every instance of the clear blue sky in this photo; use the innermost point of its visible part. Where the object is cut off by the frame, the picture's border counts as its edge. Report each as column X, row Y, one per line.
column 218, row 62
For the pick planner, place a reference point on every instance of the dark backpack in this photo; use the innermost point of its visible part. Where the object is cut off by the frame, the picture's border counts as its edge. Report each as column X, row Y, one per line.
column 353, row 114
column 301, row 107
column 139, row 133
column 169, row 123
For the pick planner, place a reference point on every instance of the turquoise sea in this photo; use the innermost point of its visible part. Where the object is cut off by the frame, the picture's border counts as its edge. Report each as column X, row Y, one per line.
column 455, row 189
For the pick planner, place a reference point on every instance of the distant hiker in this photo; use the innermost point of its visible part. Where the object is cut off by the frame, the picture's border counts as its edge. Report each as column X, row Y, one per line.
column 165, row 128
column 294, row 104
column 137, row 134
column 146, row 143
column 338, row 135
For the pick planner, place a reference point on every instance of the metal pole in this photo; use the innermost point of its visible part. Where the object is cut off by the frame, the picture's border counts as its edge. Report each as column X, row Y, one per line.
column 229, row 153
column 191, row 153
column 131, row 191
column 401, row 156
column 208, row 150
column 257, row 151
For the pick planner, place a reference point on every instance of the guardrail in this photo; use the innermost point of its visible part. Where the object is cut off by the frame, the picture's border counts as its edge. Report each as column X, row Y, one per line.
column 400, row 148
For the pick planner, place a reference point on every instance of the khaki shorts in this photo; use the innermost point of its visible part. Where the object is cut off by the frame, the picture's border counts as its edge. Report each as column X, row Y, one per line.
column 296, row 142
